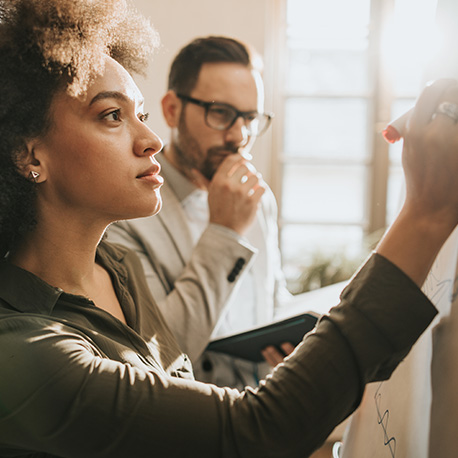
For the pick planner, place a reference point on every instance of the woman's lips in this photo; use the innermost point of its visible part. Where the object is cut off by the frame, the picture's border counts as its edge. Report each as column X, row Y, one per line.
column 152, row 175
column 155, row 179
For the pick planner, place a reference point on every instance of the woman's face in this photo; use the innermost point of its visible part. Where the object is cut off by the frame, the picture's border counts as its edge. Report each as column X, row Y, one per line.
column 97, row 158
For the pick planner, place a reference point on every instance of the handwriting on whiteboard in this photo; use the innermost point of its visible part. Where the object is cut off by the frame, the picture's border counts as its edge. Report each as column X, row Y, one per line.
column 383, row 417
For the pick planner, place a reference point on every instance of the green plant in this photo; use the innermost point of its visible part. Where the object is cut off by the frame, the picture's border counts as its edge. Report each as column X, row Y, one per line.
column 324, row 270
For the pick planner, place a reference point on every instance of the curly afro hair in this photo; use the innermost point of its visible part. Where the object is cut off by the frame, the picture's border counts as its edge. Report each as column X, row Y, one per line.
column 46, row 46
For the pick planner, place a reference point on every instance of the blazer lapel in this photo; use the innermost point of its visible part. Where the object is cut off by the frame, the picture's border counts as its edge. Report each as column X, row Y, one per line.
column 173, row 220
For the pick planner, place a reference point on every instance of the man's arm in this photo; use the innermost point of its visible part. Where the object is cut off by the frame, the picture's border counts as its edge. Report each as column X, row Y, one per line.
column 193, row 302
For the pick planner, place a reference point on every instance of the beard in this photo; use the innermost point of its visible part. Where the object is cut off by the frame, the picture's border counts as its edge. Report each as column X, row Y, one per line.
column 191, row 156
column 214, row 157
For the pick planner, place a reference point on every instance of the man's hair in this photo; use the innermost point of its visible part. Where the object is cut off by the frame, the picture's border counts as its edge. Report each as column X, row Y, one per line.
column 47, row 46
column 187, row 64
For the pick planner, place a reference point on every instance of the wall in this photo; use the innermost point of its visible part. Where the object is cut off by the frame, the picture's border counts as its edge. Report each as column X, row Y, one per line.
column 179, row 21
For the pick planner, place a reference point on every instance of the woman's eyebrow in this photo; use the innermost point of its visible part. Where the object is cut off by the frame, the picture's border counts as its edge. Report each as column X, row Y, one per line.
column 111, row 95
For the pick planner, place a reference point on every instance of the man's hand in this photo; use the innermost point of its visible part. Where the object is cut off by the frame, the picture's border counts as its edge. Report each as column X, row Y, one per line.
column 273, row 356
column 234, row 193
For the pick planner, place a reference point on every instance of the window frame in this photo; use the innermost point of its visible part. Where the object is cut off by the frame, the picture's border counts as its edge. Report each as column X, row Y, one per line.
column 380, row 99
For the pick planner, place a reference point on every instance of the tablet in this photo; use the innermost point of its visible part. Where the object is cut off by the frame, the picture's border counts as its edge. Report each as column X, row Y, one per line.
column 248, row 344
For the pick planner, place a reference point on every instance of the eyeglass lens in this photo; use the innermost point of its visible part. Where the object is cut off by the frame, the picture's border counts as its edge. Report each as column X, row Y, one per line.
column 221, row 117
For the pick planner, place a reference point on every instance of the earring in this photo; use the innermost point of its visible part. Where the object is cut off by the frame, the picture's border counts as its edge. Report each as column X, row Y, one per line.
column 33, row 176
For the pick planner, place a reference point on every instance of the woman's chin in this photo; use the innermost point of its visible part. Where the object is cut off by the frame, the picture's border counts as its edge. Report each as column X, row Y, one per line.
column 151, row 211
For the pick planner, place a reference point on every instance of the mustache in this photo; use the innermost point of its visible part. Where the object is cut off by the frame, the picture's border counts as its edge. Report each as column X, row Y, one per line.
column 225, row 148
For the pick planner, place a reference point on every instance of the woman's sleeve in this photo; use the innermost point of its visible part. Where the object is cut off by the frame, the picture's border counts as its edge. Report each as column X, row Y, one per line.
column 59, row 396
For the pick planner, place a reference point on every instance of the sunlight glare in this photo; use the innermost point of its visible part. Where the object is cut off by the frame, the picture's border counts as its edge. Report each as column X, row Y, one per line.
column 328, row 24
column 410, row 40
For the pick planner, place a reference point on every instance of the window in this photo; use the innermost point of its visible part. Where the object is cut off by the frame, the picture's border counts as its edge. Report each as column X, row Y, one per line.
column 349, row 67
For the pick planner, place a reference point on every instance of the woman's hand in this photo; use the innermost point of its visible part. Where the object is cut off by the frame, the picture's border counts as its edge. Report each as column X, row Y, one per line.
column 430, row 161
column 430, row 155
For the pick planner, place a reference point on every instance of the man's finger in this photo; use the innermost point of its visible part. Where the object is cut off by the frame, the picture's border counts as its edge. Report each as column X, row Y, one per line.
column 228, row 163
column 287, row 347
column 272, row 355
column 239, row 171
column 257, row 193
column 251, row 182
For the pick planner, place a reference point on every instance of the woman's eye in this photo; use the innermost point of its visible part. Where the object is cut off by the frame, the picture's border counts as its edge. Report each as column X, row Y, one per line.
column 113, row 115
column 143, row 117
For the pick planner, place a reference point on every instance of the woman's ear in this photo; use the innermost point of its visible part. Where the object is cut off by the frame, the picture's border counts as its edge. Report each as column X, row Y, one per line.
column 171, row 108
column 29, row 163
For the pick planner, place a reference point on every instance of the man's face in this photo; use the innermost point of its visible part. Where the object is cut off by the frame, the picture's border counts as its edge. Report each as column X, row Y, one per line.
column 202, row 147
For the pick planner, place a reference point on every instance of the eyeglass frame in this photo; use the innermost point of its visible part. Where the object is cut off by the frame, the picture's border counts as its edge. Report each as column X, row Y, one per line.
column 239, row 114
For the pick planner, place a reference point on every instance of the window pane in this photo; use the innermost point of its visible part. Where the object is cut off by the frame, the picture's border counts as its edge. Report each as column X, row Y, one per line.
column 329, row 23
column 410, row 42
column 300, row 244
column 395, row 195
column 328, row 71
column 323, row 194
column 395, row 186
column 323, row 127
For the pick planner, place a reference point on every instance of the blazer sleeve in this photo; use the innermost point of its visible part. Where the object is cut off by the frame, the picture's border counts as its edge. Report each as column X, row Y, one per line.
column 191, row 294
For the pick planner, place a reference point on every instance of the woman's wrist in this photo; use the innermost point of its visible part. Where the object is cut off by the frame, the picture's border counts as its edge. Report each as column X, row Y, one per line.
column 415, row 238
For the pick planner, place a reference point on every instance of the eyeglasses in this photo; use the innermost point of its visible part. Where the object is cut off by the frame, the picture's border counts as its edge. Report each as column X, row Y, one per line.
column 221, row 116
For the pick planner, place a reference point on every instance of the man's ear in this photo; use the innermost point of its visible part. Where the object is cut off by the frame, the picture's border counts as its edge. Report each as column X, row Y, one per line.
column 29, row 162
column 171, row 108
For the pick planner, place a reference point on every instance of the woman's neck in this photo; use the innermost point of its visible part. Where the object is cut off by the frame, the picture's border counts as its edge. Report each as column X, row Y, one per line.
column 63, row 256
column 67, row 261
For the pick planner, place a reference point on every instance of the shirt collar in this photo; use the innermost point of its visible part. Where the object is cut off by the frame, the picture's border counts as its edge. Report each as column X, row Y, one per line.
column 24, row 291
column 28, row 293
column 182, row 186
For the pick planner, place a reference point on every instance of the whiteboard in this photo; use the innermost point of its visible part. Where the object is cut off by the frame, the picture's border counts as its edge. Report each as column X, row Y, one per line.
column 415, row 413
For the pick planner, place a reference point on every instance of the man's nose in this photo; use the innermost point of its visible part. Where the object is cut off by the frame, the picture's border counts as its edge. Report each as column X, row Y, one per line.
column 237, row 133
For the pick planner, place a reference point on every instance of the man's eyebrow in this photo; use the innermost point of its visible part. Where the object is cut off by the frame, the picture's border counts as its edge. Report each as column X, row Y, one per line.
column 111, row 95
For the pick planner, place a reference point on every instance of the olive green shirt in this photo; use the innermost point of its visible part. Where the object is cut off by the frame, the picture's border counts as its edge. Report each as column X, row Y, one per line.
column 77, row 382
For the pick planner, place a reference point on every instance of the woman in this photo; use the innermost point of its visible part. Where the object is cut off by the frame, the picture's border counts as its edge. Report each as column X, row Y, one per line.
column 89, row 368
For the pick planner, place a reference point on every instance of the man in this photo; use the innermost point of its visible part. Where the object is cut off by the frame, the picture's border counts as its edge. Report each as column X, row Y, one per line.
column 211, row 255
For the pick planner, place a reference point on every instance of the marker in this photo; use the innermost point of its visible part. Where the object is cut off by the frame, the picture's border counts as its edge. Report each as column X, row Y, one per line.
column 394, row 131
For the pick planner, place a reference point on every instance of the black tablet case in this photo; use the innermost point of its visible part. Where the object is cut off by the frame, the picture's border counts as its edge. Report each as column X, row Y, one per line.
column 248, row 344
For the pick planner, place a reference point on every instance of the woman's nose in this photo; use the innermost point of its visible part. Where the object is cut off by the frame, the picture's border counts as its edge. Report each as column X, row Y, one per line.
column 148, row 144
